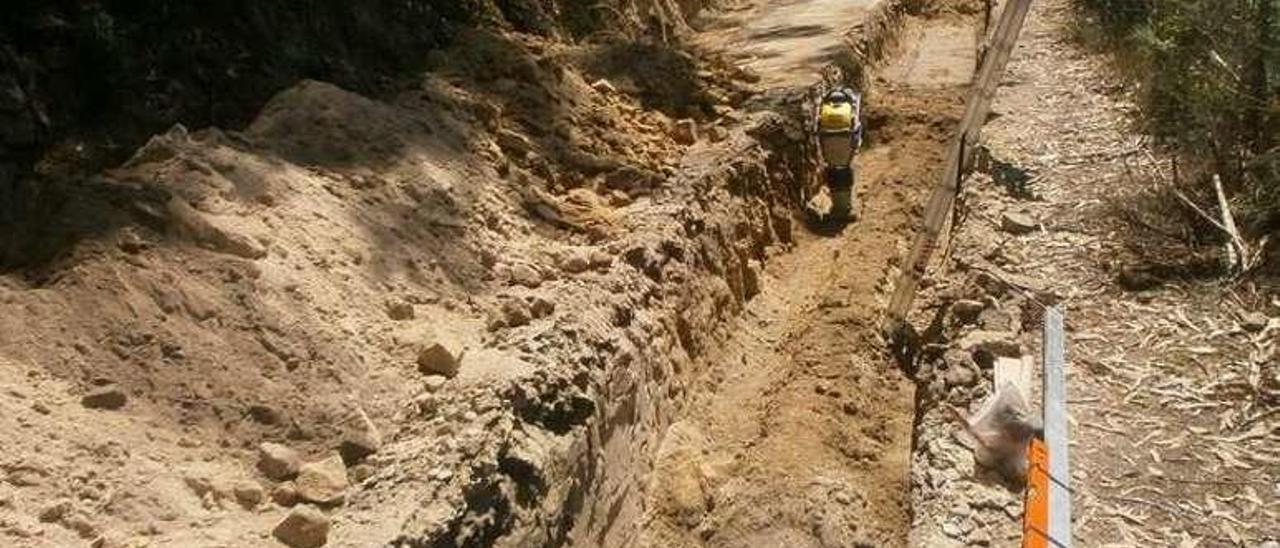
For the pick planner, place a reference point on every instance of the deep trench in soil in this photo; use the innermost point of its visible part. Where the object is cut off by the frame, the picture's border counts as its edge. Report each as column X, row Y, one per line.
column 800, row 433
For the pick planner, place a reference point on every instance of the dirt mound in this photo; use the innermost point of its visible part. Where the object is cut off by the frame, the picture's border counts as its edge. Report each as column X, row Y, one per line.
column 298, row 283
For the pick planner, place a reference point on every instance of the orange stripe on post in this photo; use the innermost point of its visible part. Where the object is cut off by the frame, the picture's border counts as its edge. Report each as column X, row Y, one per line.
column 1035, row 515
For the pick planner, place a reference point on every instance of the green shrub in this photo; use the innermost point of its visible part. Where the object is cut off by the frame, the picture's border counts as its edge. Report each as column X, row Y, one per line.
column 1207, row 73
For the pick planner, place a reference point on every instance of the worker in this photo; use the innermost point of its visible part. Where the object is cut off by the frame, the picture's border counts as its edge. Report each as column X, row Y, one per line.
column 839, row 137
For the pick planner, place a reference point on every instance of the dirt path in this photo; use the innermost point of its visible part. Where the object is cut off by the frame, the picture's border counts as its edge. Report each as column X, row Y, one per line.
column 1174, row 426
column 801, row 435
column 788, row 41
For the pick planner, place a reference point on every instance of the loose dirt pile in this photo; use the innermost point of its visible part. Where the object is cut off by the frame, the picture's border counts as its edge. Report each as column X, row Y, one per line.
column 428, row 298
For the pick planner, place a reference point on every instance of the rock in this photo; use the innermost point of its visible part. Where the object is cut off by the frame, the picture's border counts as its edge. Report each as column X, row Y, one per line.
column 541, row 307
column 526, row 275
column 266, row 414
column 104, row 397
column 205, row 486
column 248, row 493
column 717, row 134
column 434, row 383
column 995, row 343
column 214, row 233
column 956, row 358
column 515, row 313
column 81, row 524
column 632, row 180
column 304, row 527
column 513, row 143
column 995, row 319
column 686, row 132
column 751, row 278
column 957, row 528
column 285, row 494
column 442, row 356
column 361, row 472
column 604, row 86
column 618, row 198
column 1015, row 222
column 110, row 540
column 356, row 446
column 1254, row 322
column 956, row 377
column 55, row 512
column 966, row 311
column 129, row 241
column 726, row 112
column 980, row 537
column 277, row 461
column 576, row 262
column 400, row 310
column 360, row 441
column 323, row 482
column 600, row 259
column 1136, row 279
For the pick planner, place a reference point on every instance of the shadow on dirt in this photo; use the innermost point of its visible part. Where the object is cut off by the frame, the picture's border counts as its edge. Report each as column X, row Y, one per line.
column 41, row 220
column 794, row 31
column 662, row 76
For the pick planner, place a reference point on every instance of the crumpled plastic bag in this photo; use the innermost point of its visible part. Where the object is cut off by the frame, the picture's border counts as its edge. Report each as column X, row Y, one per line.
column 1003, row 427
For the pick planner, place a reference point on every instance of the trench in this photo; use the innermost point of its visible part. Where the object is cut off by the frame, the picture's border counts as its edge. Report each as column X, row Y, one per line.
column 736, row 390
column 799, row 431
